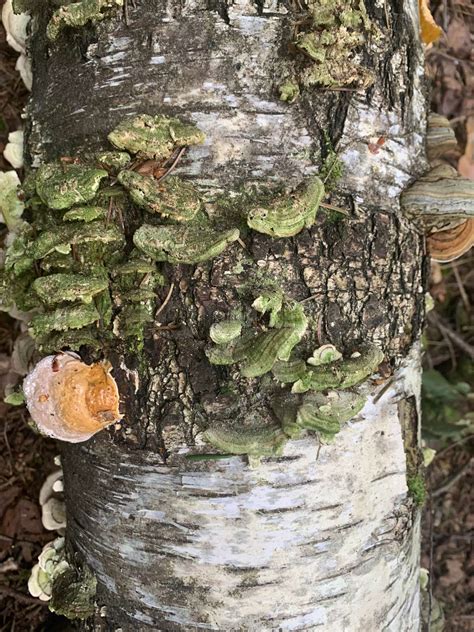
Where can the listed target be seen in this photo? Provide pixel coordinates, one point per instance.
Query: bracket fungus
(154, 137)
(442, 201)
(448, 245)
(53, 507)
(51, 563)
(257, 351)
(286, 216)
(70, 400)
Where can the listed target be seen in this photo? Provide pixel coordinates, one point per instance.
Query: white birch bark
(301, 542)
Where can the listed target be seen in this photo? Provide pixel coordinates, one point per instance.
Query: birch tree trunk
(319, 538)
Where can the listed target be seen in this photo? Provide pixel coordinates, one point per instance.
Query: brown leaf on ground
(454, 572)
(22, 519)
(459, 39)
(429, 30)
(466, 162)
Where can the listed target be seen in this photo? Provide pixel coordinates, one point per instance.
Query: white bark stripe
(297, 544)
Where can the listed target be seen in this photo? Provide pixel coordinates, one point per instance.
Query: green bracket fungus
(320, 413)
(324, 355)
(15, 398)
(77, 14)
(18, 258)
(134, 287)
(60, 287)
(74, 271)
(62, 319)
(253, 441)
(11, 207)
(190, 243)
(257, 352)
(71, 339)
(113, 161)
(287, 215)
(64, 237)
(225, 331)
(270, 300)
(60, 186)
(85, 214)
(174, 198)
(317, 412)
(339, 374)
(138, 266)
(325, 413)
(69, 590)
(154, 136)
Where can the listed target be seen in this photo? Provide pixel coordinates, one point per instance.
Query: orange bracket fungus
(70, 400)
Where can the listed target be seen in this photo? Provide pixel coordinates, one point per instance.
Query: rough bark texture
(301, 542)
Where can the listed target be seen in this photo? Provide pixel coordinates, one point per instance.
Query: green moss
(417, 489)
(333, 167)
(329, 38)
(78, 14)
(73, 593)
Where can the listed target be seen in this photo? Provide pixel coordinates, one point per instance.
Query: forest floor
(26, 459)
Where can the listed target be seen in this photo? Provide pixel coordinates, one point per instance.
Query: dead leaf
(466, 162)
(454, 572)
(22, 519)
(430, 31)
(459, 38)
(450, 103)
(7, 496)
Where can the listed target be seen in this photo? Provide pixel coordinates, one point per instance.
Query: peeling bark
(301, 542)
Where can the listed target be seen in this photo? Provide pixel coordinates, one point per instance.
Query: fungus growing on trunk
(70, 400)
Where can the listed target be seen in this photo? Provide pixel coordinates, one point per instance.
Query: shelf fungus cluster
(257, 351)
(84, 280)
(53, 507)
(442, 201)
(322, 396)
(89, 278)
(68, 588)
(70, 400)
